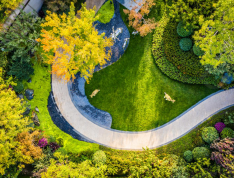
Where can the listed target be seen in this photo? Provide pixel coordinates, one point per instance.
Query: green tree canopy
(216, 39)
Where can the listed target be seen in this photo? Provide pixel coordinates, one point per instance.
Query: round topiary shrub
(19, 87)
(197, 50)
(188, 156)
(200, 152)
(185, 44)
(183, 31)
(99, 157)
(220, 126)
(209, 134)
(227, 132)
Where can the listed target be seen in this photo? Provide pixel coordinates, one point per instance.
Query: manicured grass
(132, 89)
(106, 12)
(42, 87)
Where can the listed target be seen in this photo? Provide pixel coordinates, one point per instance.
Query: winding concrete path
(138, 140)
(165, 134)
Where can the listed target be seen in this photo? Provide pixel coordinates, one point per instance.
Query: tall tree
(216, 38)
(81, 47)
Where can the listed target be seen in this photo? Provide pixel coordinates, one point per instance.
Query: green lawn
(132, 89)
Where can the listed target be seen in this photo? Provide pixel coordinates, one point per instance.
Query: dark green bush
(185, 44)
(20, 39)
(209, 134)
(200, 152)
(227, 132)
(183, 31)
(175, 69)
(19, 87)
(188, 156)
(197, 50)
(21, 71)
(99, 157)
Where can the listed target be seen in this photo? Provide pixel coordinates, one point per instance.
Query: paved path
(137, 140)
(165, 134)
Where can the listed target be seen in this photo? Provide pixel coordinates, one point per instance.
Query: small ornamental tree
(75, 42)
(137, 21)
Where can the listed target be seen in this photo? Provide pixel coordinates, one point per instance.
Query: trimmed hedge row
(166, 66)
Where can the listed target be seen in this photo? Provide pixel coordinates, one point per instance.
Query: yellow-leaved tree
(12, 123)
(73, 45)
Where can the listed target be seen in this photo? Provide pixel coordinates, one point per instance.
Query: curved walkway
(138, 140)
(91, 131)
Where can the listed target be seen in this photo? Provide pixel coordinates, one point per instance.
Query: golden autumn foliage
(73, 45)
(6, 7)
(137, 20)
(11, 124)
(28, 147)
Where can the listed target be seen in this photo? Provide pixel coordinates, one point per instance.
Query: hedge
(167, 67)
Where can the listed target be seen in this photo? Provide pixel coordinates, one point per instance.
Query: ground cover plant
(132, 89)
(106, 12)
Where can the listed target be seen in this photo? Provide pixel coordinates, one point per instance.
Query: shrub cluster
(209, 134)
(175, 70)
(186, 61)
